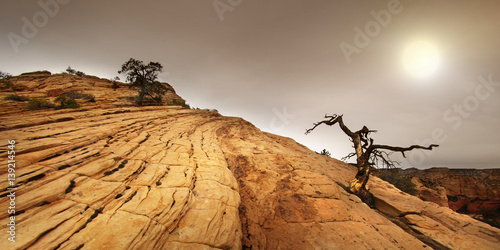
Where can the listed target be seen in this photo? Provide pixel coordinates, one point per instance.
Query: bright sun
(420, 59)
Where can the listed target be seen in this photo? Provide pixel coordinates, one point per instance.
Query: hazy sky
(284, 64)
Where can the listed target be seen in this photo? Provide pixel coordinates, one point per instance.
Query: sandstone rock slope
(111, 176)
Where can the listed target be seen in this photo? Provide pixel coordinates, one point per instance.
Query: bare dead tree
(367, 153)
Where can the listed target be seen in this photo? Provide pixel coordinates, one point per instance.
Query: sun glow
(420, 59)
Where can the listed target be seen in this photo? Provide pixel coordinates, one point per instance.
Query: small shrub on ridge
(67, 103)
(15, 97)
(37, 104)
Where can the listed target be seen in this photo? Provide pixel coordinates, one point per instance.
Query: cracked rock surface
(116, 177)
(145, 180)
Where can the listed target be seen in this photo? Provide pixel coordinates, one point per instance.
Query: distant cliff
(467, 190)
(470, 191)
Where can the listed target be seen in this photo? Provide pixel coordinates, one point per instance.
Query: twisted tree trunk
(367, 153)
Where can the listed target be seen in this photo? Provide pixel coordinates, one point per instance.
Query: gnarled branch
(332, 120)
(402, 150)
(382, 157)
(350, 155)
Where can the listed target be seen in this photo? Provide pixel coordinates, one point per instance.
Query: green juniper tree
(4, 75)
(70, 71)
(325, 152)
(143, 78)
(5, 79)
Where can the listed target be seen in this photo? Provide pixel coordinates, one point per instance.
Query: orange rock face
(471, 191)
(112, 176)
